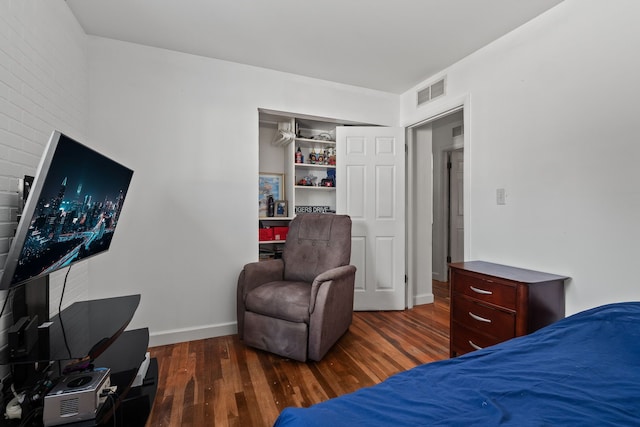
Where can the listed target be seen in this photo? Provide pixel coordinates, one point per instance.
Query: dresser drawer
(465, 340)
(492, 303)
(484, 319)
(485, 289)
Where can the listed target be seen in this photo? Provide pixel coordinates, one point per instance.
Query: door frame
(431, 113)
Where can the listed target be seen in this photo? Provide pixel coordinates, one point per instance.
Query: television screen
(71, 213)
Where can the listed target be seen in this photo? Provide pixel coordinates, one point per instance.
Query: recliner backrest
(316, 243)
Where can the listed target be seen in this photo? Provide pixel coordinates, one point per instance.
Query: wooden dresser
(491, 303)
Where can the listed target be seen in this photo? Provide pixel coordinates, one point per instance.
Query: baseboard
(423, 299)
(438, 276)
(174, 336)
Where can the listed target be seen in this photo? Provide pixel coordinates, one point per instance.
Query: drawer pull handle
(478, 318)
(480, 291)
(477, 347)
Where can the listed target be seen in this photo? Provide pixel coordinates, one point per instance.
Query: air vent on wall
(431, 92)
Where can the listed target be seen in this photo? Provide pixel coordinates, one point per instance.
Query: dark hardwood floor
(221, 382)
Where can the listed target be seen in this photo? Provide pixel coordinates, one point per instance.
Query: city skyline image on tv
(76, 209)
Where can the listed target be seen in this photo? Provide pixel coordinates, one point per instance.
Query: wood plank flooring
(221, 382)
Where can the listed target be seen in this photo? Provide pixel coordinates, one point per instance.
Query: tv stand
(95, 331)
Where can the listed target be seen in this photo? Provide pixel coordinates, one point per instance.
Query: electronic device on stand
(71, 213)
(76, 397)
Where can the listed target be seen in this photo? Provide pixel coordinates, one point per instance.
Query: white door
(456, 207)
(370, 187)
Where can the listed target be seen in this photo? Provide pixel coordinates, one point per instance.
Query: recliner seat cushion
(283, 300)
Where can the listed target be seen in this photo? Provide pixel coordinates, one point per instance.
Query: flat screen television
(71, 212)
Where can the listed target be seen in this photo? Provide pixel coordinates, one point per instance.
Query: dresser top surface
(506, 272)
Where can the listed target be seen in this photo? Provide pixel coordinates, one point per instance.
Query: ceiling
(389, 45)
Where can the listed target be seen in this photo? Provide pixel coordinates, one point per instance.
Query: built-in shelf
(275, 218)
(315, 149)
(313, 165)
(314, 187)
(264, 242)
(315, 141)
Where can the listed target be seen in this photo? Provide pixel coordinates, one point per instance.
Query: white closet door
(370, 187)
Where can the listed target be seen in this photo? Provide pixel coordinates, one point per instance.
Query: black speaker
(23, 336)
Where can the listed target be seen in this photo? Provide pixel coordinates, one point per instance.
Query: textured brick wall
(43, 86)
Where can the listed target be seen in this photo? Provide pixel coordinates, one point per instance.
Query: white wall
(420, 213)
(188, 127)
(552, 119)
(43, 86)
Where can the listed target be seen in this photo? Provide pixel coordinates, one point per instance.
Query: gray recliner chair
(300, 305)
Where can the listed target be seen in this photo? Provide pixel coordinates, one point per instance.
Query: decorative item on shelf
(280, 208)
(299, 156)
(324, 136)
(312, 157)
(331, 156)
(269, 184)
(327, 182)
(307, 181)
(270, 205)
(331, 178)
(320, 159)
(313, 209)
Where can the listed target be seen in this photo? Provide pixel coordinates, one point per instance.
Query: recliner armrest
(338, 274)
(258, 273)
(331, 310)
(253, 275)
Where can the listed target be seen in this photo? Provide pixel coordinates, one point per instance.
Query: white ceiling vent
(431, 92)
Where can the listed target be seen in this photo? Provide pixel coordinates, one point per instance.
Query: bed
(582, 370)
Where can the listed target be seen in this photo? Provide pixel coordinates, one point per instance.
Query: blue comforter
(582, 370)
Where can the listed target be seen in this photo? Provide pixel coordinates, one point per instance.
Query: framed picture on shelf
(280, 208)
(269, 184)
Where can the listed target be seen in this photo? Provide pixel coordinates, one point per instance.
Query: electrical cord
(27, 405)
(111, 391)
(64, 335)
(35, 414)
(6, 300)
(13, 410)
(64, 285)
